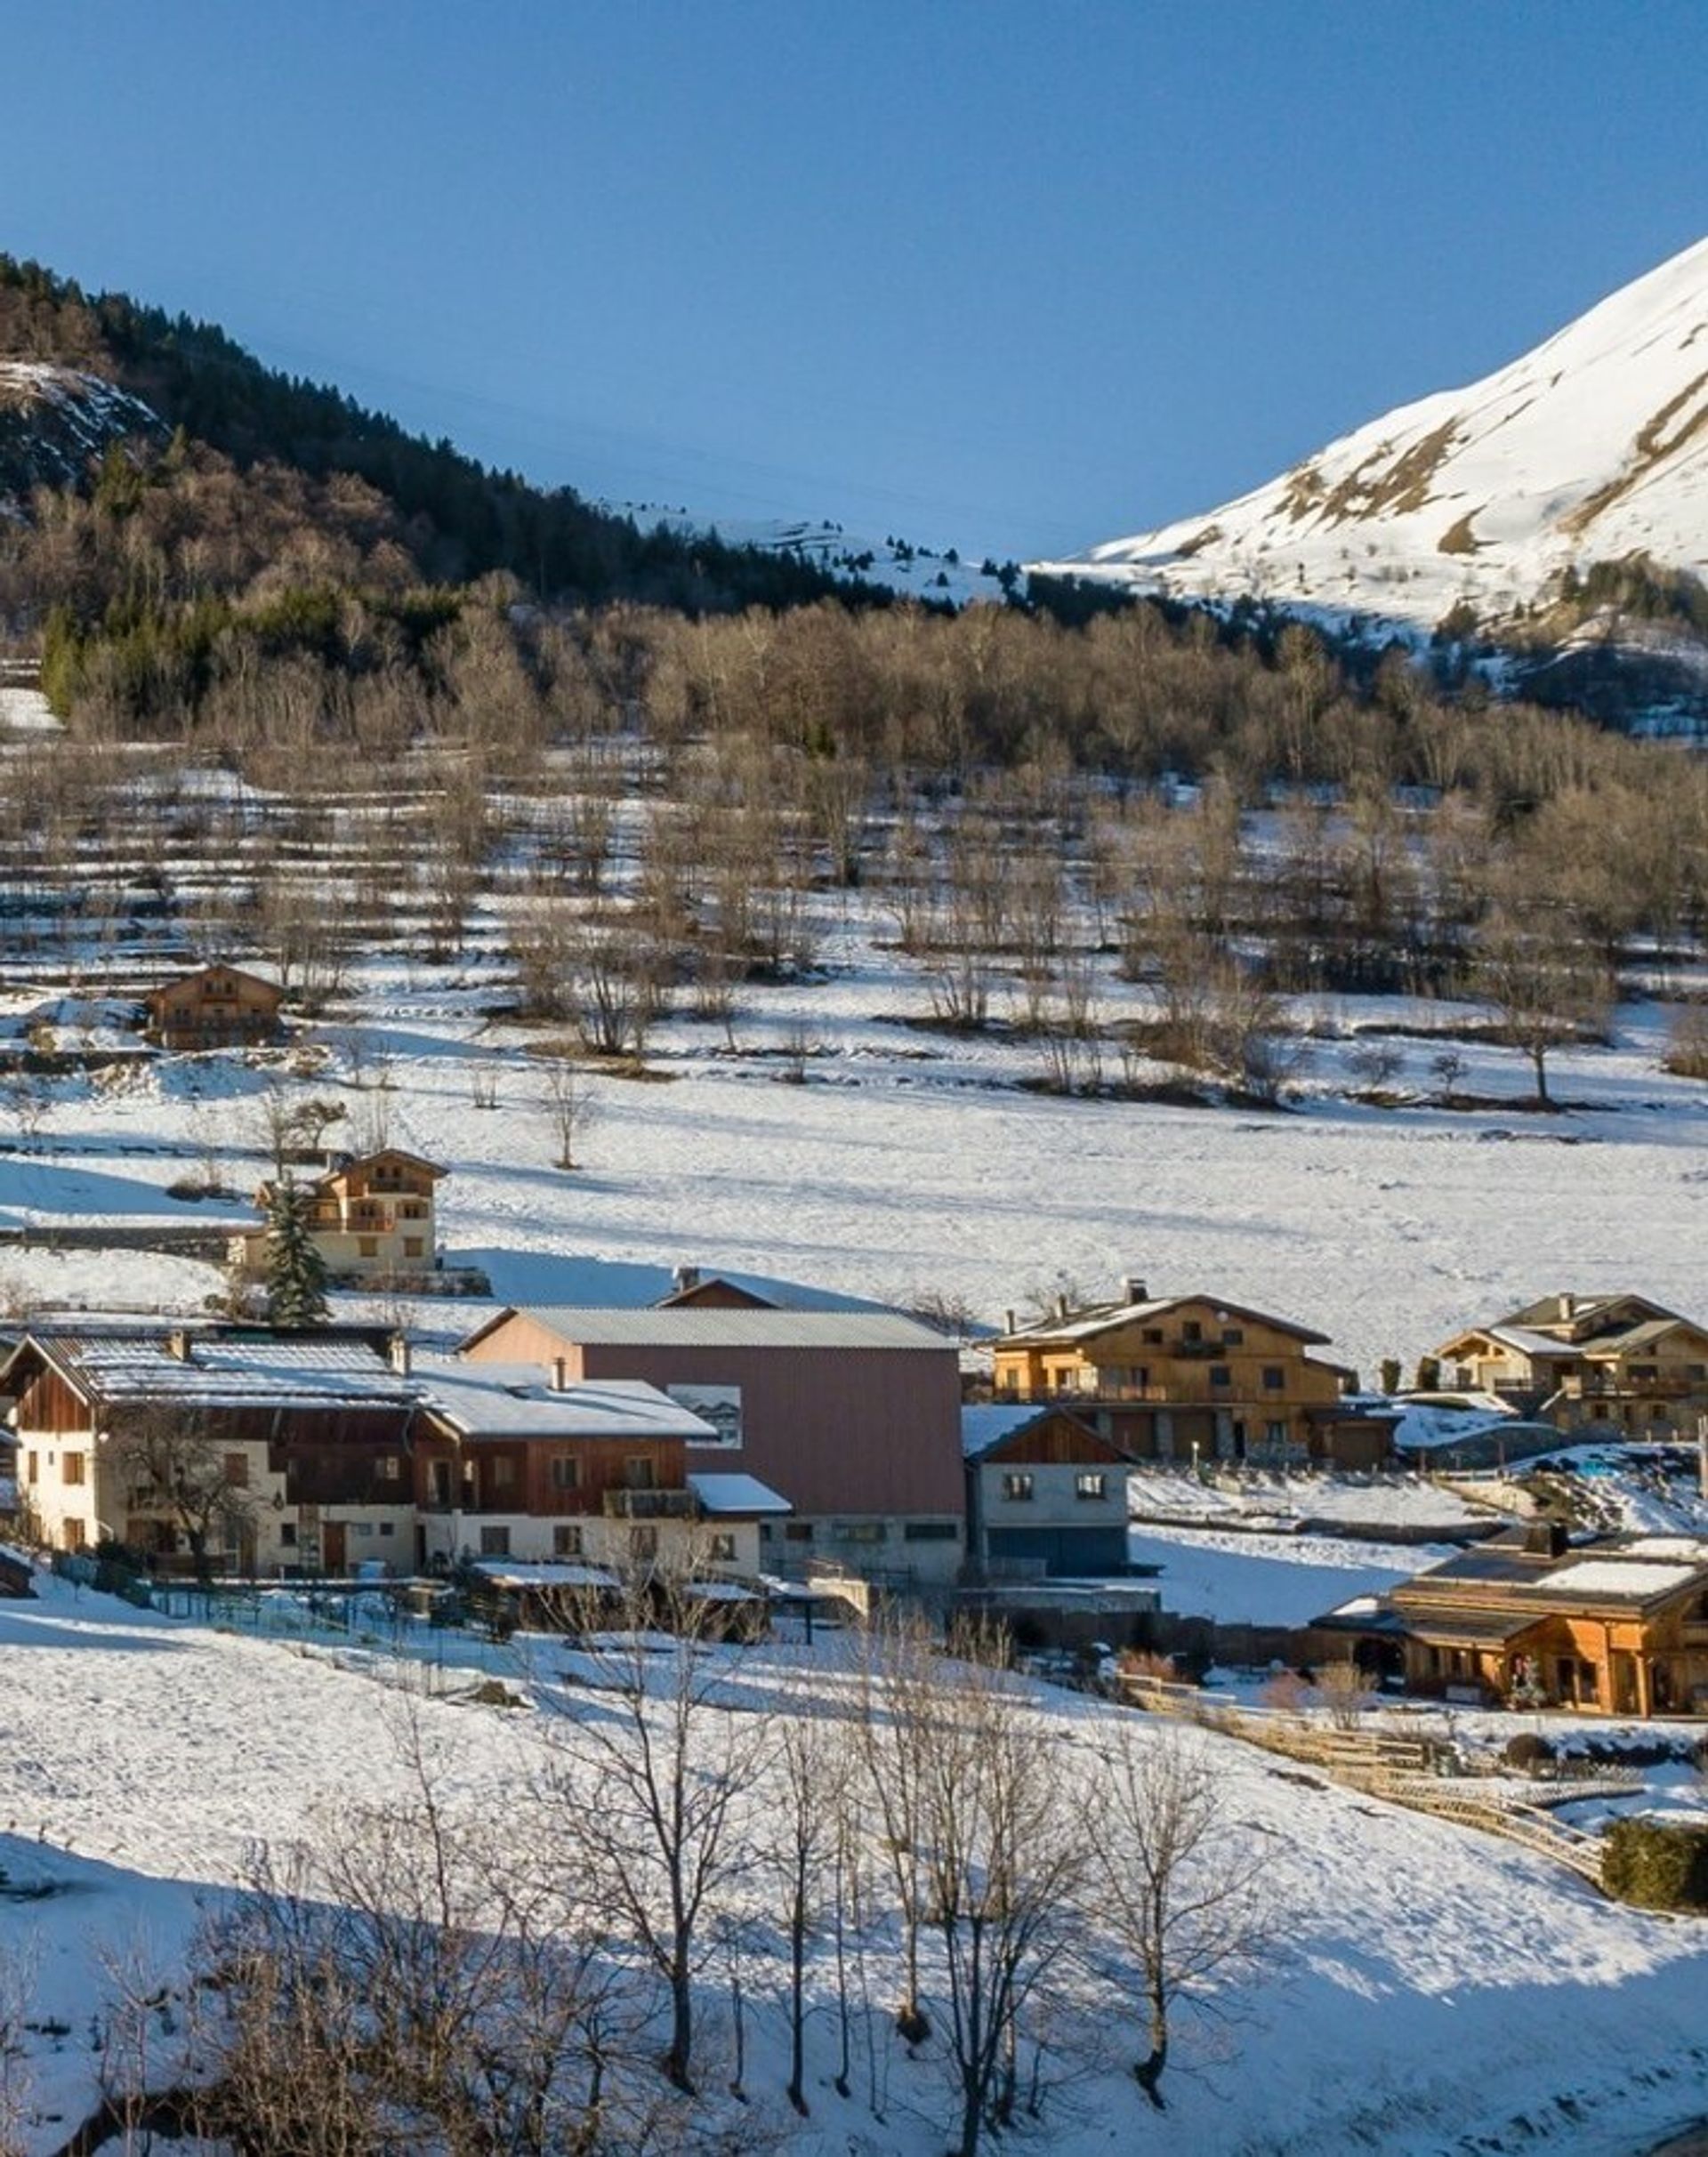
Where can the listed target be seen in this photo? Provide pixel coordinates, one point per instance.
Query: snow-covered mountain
(1592, 449)
(940, 576)
(55, 421)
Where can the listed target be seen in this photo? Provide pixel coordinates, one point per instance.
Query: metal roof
(736, 1496)
(691, 1327)
(505, 1400)
(1104, 1317)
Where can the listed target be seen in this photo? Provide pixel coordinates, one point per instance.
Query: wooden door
(332, 1549)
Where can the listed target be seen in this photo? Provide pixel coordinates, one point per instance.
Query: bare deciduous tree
(173, 1461)
(1181, 1894)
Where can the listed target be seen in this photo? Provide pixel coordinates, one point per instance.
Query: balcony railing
(651, 1505)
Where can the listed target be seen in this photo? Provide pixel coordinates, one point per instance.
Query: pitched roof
(678, 1326)
(735, 1497)
(1096, 1318)
(504, 1400)
(986, 1425)
(256, 1371)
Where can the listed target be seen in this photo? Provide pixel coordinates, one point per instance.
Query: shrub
(1527, 1751)
(1656, 1865)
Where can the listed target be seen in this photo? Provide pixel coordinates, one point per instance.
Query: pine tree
(297, 1274)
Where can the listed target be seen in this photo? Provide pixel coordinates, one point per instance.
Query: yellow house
(1615, 1363)
(1211, 1379)
(371, 1217)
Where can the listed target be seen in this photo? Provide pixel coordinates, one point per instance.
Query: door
(332, 1549)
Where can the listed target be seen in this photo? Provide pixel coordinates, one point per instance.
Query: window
(72, 1531)
(638, 1473)
(643, 1542)
(236, 1470)
(1276, 1433)
(797, 1530)
(388, 1527)
(287, 1534)
(71, 1467)
(388, 1468)
(1091, 1482)
(495, 1541)
(1152, 1336)
(723, 1548)
(1063, 1380)
(363, 1528)
(566, 1472)
(412, 1246)
(30, 1468)
(1274, 1377)
(503, 1471)
(566, 1540)
(1221, 1376)
(862, 1531)
(1233, 1336)
(368, 1246)
(1191, 1331)
(930, 1532)
(1016, 1487)
(1644, 1373)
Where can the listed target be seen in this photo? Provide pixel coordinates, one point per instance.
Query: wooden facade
(1615, 1628)
(1616, 1364)
(1184, 1378)
(371, 1217)
(216, 1006)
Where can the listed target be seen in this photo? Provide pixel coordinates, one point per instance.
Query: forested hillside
(300, 451)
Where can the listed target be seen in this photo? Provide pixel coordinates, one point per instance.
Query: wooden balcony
(651, 1505)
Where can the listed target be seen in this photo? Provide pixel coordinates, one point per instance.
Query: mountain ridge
(1476, 508)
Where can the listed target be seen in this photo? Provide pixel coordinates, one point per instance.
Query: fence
(1420, 1772)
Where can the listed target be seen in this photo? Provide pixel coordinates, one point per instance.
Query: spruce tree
(297, 1274)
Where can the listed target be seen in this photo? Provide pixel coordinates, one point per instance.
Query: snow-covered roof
(519, 1400)
(542, 1573)
(227, 1372)
(1104, 1317)
(1620, 1577)
(1526, 1342)
(691, 1327)
(989, 1422)
(734, 1496)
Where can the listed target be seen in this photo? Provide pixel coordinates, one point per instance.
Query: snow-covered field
(1428, 1986)
(909, 1164)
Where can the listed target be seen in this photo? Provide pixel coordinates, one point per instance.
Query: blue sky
(1019, 277)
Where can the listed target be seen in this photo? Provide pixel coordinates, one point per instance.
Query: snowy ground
(1240, 1578)
(1429, 1986)
(907, 1164)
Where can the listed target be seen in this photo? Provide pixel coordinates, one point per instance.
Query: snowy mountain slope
(1590, 448)
(54, 420)
(938, 575)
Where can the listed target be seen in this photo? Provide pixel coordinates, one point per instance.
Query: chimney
(398, 1348)
(560, 1375)
(178, 1346)
(1134, 1289)
(684, 1277)
(1546, 1539)
(1567, 1307)
(1008, 1321)
(1061, 1308)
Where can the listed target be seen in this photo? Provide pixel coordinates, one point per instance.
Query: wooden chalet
(1184, 1378)
(1608, 1365)
(1615, 1627)
(371, 1217)
(213, 1006)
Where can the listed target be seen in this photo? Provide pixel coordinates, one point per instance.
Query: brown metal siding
(835, 1430)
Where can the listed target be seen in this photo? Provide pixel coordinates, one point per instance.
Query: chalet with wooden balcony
(301, 1442)
(1593, 1366)
(328, 1450)
(1189, 1378)
(372, 1218)
(852, 1416)
(215, 1007)
(517, 1461)
(1615, 1627)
